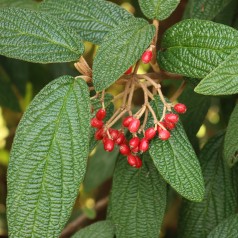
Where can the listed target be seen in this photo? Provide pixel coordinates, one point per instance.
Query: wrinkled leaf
(231, 139)
(228, 228)
(37, 37)
(102, 229)
(16, 3)
(91, 19)
(176, 160)
(137, 194)
(223, 80)
(48, 159)
(158, 9)
(204, 9)
(198, 219)
(195, 48)
(121, 48)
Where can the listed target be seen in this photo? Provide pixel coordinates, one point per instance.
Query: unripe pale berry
(101, 113)
(127, 121)
(134, 142)
(134, 125)
(147, 56)
(144, 145)
(120, 139)
(99, 134)
(171, 117)
(96, 123)
(108, 144)
(129, 71)
(180, 108)
(164, 135)
(150, 133)
(124, 149)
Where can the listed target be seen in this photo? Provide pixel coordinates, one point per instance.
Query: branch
(75, 225)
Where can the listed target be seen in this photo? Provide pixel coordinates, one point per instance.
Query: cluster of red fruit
(131, 148)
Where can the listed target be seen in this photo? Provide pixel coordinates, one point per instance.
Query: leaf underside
(48, 159)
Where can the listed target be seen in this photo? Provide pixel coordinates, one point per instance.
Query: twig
(178, 92)
(75, 225)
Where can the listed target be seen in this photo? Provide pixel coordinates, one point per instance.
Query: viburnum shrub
(74, 117)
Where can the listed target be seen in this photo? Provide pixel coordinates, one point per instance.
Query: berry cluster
(111, 137)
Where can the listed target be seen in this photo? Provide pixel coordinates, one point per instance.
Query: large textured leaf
(226, 229)
(196, 47)
(231, 139)
(48, 159)
(198, 219)
(37, 37)
(197, 106)
(7, 96)
(16, 3)
(177, 162)
(121, 48)
(91, 19)
(204, 9)
(158, 9)
(138, 200)
(102, 229)
(223, 80)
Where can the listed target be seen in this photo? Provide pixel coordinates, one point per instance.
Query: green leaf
(158, 9)
(37, 37)
(226, 229)
(102, 229)
(91, 19)
(223, 80)
(7, 95)
(100, 168)
(16, 3)
(121, 48)
(204, 9)
(138, 200)
(176, 160)
(231, 139)
(198, 219)
(48, 159)
(197, 51)
(197, 108)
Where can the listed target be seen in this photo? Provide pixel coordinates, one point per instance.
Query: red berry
(134, 125)
(164, 135)
(144, 145)
(171, 117)
(134, 161)
(150, 133)
(127, 121)
(120, 139)
(129, 71)
(147, 56)
(108, 144)
(170, 125)
(135, 149)
(180, 108)
(160, 128)
(101, 113)
(113, 133)
(134, 142)
(124, 149)
(99, 134)
(96, 123)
